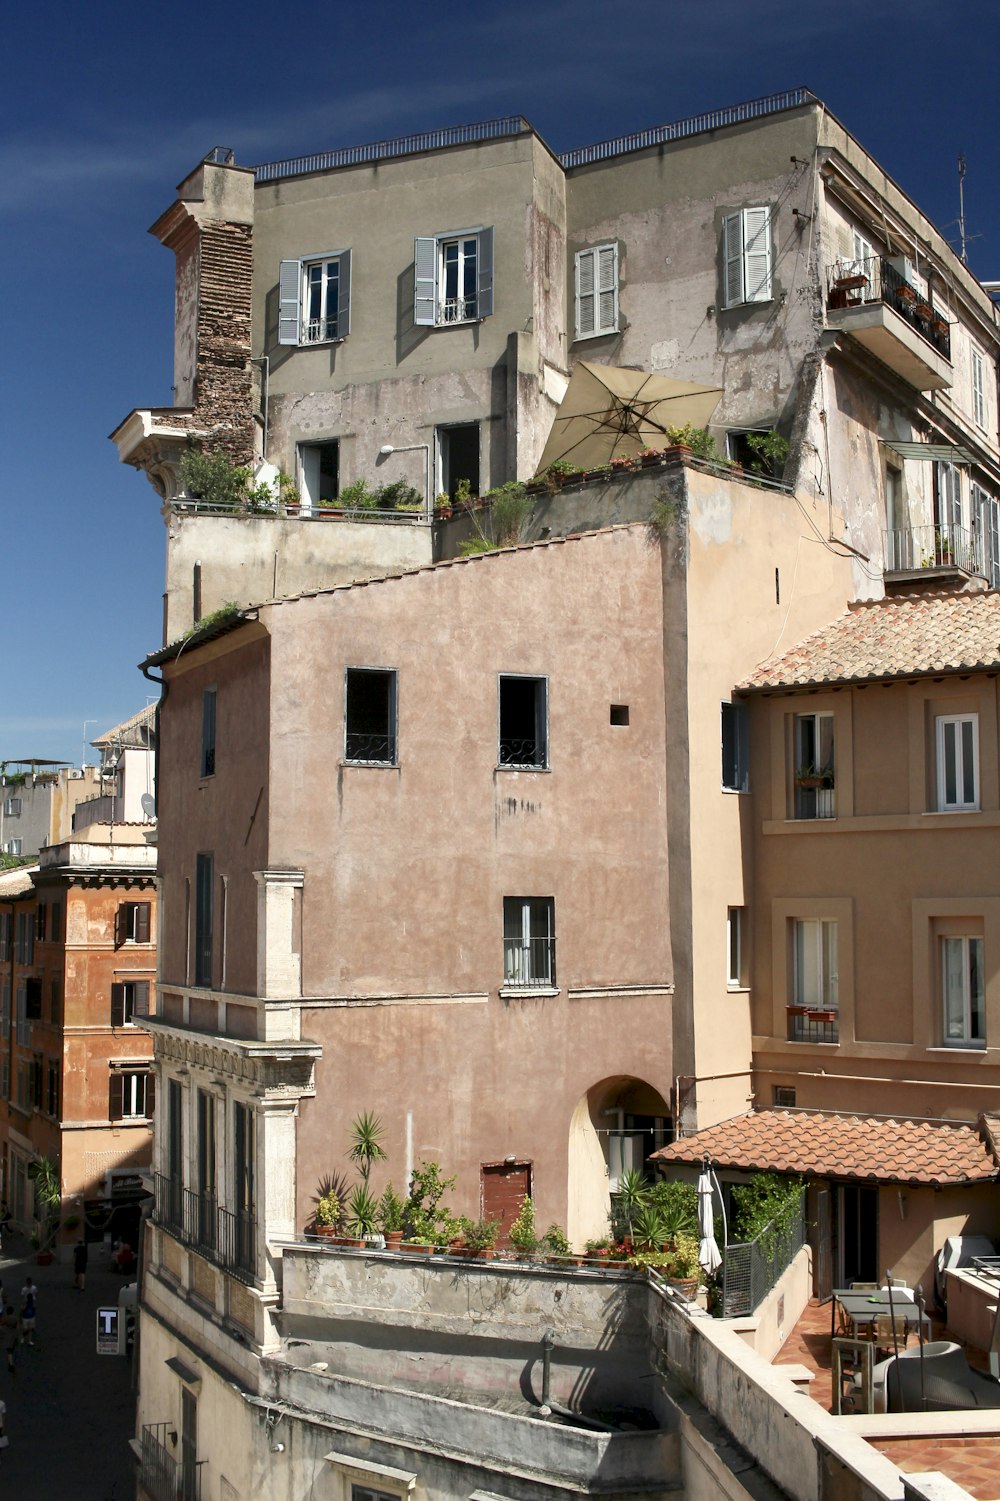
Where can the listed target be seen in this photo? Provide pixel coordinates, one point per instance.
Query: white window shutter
(484, 306)
(289, 294)
(607, 285)
(585, 308)
(425, 280)
(344, 311)
(757, 254)
(732, 259)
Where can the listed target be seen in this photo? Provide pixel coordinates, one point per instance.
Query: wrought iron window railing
(224, 1236)
(457, 310)
(364, 747)
(874, 279)
(521, 751)
(162, 1476)
(813, 1024)
(528, 962)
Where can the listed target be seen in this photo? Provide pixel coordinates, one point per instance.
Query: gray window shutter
(757, 254)
(425, 281)
(484, 306)
(289, 293)
(142, 922)
(140, 1001)
(732, 258)
(585, 293)
(120, 921)
(607, 286)
(115, 1097)
(344, 314)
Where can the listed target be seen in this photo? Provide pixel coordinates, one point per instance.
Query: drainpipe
(548, 1407)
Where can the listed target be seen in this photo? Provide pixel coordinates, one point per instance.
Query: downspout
(164, 687)
(547, 1406)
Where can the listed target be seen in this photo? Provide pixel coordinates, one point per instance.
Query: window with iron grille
(523, 727)
(370, 717)
(529, 941)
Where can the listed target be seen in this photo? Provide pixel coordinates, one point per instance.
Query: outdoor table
(863, 1307)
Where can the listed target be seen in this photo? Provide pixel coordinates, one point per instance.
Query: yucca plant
(366, 1144)
(648, 1228)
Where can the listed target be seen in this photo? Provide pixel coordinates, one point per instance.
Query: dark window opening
(784, 1096)
(129, 1000)
(529, 941)
(459, 452)
(619, 714)
(204, 878)
(735, 748)
(522, 722)
(33, 1000)
(370, 724)
(131, 923)
(208, 733)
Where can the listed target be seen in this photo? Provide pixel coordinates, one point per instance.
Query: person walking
(29, 1309)
(9, 1323)
(80, 1265)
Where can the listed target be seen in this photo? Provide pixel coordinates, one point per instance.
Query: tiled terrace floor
(971, 1462)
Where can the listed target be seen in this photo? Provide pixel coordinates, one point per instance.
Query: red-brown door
(504, 1186)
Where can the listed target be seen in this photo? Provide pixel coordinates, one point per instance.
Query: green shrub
(522, 1231)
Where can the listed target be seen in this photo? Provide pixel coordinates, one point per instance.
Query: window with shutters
(24, 949)
(12, 807)
(12, 847)
(130, 1095)
(986, 520)
(978, 389)
(735, 747)
(596, 291)
(132, 923)
(453, 277)
(41, 918)
(52, 1099)
(746, 256)
(208, 732)
(314, 299)
(6, 937)
(129, 1001)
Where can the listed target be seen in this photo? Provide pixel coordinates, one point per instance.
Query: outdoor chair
(883, 1335)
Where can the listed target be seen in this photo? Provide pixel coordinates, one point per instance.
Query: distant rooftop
(130, 731)
(511, 125)
(880, 640)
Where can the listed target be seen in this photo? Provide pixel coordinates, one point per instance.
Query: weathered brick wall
(223, 381)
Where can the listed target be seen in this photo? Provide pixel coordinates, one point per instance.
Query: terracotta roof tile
(892, 638)
(821, 1144)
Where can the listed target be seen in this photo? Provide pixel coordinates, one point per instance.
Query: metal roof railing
(377, 151)
(731, 114)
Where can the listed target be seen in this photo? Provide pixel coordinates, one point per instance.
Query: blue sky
(106, 106)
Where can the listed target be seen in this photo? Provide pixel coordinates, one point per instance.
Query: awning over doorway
(944, 453)
(825, 1144)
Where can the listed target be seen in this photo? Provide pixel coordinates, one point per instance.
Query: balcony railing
(221, 1235)
(162, 1476)
(812, 1024)
(875, 280)
(932, 547)
(521, 751)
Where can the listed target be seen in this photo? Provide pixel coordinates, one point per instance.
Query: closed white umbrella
(708, 1250)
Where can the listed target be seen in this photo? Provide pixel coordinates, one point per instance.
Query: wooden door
(504, 1185)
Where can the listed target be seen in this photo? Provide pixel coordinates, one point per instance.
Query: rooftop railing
(379, 151)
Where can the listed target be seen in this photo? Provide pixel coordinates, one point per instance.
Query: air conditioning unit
(74, 775)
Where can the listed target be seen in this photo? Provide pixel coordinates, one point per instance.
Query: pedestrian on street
(29, 1300)
(8, 1322)
(80, 1265)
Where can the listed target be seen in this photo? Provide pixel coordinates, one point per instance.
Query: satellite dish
(148, 804)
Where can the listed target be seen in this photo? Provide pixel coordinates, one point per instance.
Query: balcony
(933, 551)
(873, 304)
(809, 1024)
(225, 1237)
(162, 1477)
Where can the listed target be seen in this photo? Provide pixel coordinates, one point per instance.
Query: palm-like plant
(362, 1208)
(631, 1192)
(366, 1144)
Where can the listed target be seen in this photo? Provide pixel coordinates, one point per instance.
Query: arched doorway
(615, 1126)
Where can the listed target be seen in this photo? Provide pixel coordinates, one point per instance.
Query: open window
(735, 747)
(529, 941)
(453, 277)
(319, 472)
(131, 923)
(523, 723)
(314, 299)
(815, 1009)
(129, 1001)
(370, 717)
(813, 771)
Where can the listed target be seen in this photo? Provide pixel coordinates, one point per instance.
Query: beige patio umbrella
(609, 412)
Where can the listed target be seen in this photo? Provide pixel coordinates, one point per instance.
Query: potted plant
(598, 1249)
(329, 1200)
(522, 1232)
(424, 1216)
(480, 1238)
(288, 494)
(810, 776)
(390, 1215)
(681, 1266)
(557, 473)
(442, 506)
(557, 1246)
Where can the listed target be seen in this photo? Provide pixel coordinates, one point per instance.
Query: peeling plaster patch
(711, 520)
(664, 355)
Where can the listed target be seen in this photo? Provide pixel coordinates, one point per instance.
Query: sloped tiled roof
(919, 635)
(129, 732)
(17, 882)
(821, 1144)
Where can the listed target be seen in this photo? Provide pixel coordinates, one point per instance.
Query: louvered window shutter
(120, 929)
(757, 254)
(607, 285)
(118, 1005)
(140, 998)
(484, 306)
(732, 258)
(425, 281)
(115, 1097)
(142, 922)
(344, 309)
(289, 294)
(150, 1094)
(585, 308)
